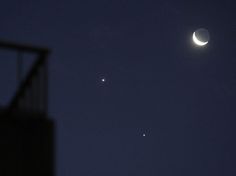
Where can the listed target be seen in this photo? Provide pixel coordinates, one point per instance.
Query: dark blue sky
(157, 82)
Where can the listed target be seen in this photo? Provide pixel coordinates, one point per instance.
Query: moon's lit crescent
(198, 42)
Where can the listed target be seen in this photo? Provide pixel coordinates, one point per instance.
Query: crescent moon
(198, 42)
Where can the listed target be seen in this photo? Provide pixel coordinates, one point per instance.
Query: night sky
(129, 91)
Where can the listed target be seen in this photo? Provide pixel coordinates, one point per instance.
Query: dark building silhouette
(26, 131)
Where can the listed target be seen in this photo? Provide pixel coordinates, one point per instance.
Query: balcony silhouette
(26, 131)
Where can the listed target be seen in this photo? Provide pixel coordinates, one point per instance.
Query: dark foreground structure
(26, 131)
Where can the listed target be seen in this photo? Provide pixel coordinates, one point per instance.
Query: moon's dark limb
(202, 35)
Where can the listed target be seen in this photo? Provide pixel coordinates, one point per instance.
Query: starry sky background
(157, 83)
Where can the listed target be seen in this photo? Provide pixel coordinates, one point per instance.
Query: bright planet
(201, 37)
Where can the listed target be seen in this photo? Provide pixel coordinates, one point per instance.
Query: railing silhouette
(32, 93)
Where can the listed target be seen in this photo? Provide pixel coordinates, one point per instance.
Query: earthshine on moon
(201, 37)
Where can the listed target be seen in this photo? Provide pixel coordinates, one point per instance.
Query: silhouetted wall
(26, 145)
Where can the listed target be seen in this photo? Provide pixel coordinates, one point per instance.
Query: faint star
(144, 134)
(103, 79)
